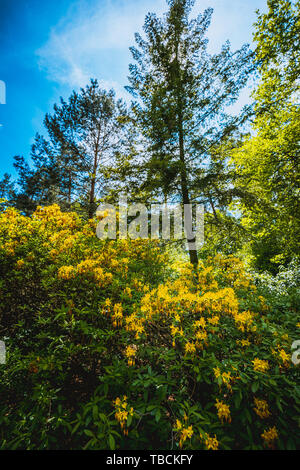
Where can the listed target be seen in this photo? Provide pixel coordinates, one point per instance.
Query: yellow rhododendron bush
(117, 344)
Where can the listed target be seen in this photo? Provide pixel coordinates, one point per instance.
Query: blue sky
(50, 47)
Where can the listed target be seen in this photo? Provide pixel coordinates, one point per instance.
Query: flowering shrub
(110, 344)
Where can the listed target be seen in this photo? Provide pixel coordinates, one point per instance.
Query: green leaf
(157, 415)
(111, 441)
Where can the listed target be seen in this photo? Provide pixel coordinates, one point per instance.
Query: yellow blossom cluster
(135, 324)
(106, 308)
(261, 408)
(175, 298)
(243, 342)
(123, 411)
(244, 321)
(66, 272)
(128, 291)
(130, 353)
(260, 365)
(175, 331)
(20, 263)
(211, 443)
(233, 270)
(137, 284)
(282, 356)
(190, 348)
(117, 316)
(223, 411)
(214, 320)
(269, 436)
(132, 323)
(185, 431)
(87, 267)
(200, 300)
(206, 279)
(226, 377)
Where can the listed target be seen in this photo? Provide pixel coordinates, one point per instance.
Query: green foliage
(109, 346)
(64, 357)
(268, 163)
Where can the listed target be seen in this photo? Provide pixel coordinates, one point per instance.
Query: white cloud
(92, 40)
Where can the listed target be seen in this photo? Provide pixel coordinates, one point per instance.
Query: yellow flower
(20, 263)
(98, 274)
(214, 320)
(127, 291)
(211, 443)
(190, 348)
(174, 330)
(86, 266)
(117, 401)
(226, 378)
(66, 272)
(269, 436)
(244, 320)
(217, 372)
(284, 357)
(121, 416)
(200, 323)
(122, 412)
(261, 408)
(260, 365)
(186, 433)
(130, 353)
(117, 316)
(201, 335)
(223, 411)
(53, 253)
(178, 425)
(106, 307)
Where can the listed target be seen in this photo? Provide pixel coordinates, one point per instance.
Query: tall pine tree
(85, 133)
(182, 94)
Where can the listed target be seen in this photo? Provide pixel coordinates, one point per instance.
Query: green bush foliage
(112, 345)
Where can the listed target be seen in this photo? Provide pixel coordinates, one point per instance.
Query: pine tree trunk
(191, 239)
(188, 219)
(69, 189)
(92, 198)
(93, 179)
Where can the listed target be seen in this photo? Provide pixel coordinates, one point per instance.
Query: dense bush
(282, 290)
(112, 345)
